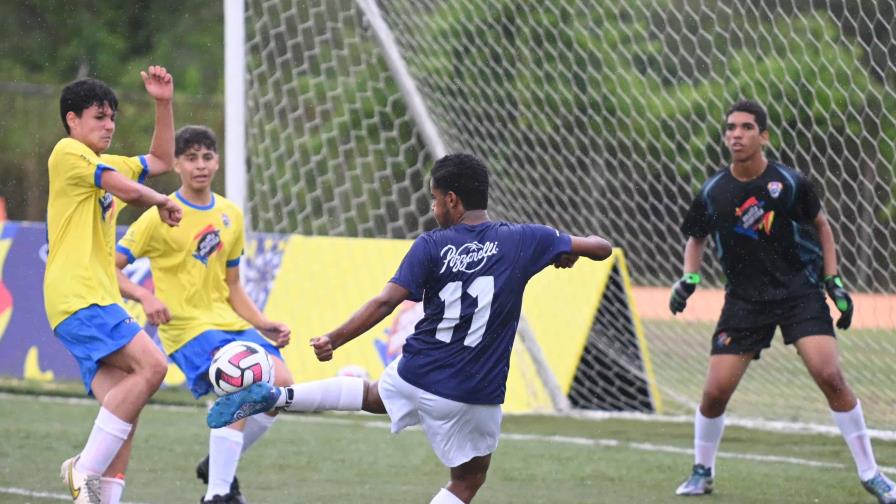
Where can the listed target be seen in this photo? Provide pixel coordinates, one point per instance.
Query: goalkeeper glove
(682, 290)
(834, 285)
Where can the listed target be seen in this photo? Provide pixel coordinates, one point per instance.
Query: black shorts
(748, 326)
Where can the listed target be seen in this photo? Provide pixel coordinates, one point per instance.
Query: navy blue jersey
(471, 280)
(763, 231)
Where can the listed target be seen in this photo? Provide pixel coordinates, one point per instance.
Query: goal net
(595, 117)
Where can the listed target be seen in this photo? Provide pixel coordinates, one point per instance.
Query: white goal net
(595, 117)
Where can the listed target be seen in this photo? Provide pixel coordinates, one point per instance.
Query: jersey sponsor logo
(774, 188)
(468, 258)
(106, 204)
(722, 340)
(208, 242)
(752, 218)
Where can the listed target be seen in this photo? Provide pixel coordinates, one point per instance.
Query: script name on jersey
(468, 258)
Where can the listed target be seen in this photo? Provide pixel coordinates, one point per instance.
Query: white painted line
(42, 495)
(748, 423)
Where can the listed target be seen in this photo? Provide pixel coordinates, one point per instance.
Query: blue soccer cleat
(256, 398)
(699, 483)
(881, 487)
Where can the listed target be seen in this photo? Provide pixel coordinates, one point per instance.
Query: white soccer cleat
(84, 489)
(699, 483)
(881, 487)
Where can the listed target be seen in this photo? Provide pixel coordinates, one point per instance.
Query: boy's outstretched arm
(369, 315)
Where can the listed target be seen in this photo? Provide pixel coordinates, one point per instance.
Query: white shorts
(456, 431)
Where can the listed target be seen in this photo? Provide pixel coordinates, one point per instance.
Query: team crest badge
(774, 188)
(225, 220)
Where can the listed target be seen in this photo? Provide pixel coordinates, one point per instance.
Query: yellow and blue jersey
(81, 228)
(189, 266)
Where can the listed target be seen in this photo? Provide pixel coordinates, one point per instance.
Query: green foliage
(48, 43)
(55, 41)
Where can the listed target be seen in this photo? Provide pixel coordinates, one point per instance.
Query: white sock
(852, 426)
(344, 393)
(111, 490)
(224, 448)
(707, 436)
(256, 426)
(108, 434)
(445, 497)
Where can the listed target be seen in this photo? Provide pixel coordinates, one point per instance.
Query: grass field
(353, 458)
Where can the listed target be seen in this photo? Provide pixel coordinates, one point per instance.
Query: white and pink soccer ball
(239, 364)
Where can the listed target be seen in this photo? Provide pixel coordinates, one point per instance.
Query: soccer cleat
(202, 474)
(699, 483)
(881, 487)
(84, 489)
(222, 499)
(256, 398)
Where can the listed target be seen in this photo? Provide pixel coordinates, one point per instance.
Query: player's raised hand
(834, 285)
(566, 261)
(158, 82)
(278, 332)
(323, 348)
(681, 291)
(156, 311)
(170, 212)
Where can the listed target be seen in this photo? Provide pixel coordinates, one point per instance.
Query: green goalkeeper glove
(834, 285)
(682, 290)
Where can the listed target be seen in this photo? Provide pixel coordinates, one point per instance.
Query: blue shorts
(92, 333)
(195, 357)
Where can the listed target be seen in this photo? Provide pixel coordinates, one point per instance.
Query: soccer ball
(239, 364)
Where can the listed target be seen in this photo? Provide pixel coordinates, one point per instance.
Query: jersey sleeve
(138, 240)
(697, 221)
(807, 205)
(239, 244)
(78, 166)
(414, 269)
(135, 168)
(544, 244)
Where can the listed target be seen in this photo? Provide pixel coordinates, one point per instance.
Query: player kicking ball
(777, 251)
(451, 378)
(200, 304)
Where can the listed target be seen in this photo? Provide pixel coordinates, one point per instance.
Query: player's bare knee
(156, 367)
(372, 402)
(715, 399)
(831, 381)
(467, 484)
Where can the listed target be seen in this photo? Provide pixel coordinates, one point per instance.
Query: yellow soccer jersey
(189, 266)
(81, 228)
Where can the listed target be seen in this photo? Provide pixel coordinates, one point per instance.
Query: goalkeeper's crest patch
(774, 188)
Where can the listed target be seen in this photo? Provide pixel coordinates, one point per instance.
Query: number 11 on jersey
(483, 289)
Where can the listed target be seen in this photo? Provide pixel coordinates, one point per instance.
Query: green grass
(353, 458)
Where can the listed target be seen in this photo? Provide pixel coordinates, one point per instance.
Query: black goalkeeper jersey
(763, 232)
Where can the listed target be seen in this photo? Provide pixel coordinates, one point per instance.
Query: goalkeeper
(777, 251)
